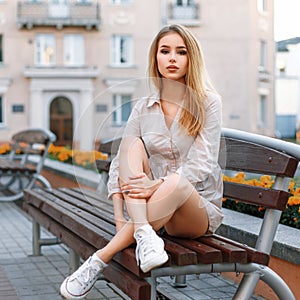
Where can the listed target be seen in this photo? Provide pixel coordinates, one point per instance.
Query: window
(261, 5)
(263, 111)
(73, 50)
(44, 50)
(263, 54)
(121, 109)
(184, 2)
(58, 9)
(1, 110)
(121, 50)
(1, 49)
(121, 1)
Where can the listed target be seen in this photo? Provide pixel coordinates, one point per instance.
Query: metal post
(74, 261)
(180, 281)
(36, 235)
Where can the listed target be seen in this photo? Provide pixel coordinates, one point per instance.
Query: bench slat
(135, 288)
(98, 217)
(87, 197)
(14, 167)
(242, 155)
(47, 204)
(110, 146)
(205, 253)
(103, 165)
(180, 256)
(230, 253)
(269, 198)
(253, 255)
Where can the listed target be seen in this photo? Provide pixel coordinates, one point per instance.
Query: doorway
(61, 120)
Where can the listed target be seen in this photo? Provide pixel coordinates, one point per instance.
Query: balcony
(61, 72)
(71, 14)
(187, 15)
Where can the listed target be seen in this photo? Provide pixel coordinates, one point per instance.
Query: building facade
(77, 66)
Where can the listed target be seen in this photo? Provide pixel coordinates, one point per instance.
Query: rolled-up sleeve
(202, 158)
(132, 129)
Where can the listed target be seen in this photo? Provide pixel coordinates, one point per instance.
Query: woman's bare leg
(175, 205)
(134, 160)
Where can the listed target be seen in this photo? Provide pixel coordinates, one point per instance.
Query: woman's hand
(140, 186)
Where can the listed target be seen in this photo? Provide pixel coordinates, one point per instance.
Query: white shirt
(172, 150)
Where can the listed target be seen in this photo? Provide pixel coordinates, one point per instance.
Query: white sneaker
(78, 285)
(150, 249)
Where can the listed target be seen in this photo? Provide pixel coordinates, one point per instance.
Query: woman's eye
(183, 52)
(164, 51)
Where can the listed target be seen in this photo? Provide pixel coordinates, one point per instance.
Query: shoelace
(145, 243)
(87, 273)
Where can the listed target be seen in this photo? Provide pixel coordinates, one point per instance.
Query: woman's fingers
(138, 176)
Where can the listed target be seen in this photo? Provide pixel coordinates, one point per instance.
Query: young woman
(167, 168)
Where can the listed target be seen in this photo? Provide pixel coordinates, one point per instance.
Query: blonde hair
(193, 113)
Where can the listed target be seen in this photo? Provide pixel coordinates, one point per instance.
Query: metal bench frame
(15, 173)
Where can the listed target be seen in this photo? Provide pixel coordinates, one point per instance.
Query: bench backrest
(246, 152)
(31, 142)
(239, 155)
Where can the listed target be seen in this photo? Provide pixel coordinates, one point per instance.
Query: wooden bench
(84, 221)
(16, 170)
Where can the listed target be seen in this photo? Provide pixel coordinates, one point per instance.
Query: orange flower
(291, 185)
(63, 156)
(5, 148)
(297, 192)
(294, 200)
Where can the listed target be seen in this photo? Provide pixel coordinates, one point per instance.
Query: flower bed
(85, 159)
(290, 217)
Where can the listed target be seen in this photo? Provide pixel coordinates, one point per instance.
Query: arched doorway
(61, 120)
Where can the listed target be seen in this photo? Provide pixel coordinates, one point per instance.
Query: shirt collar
(153, 99)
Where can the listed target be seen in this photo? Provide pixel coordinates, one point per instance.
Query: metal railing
(43, 13)
(188, 12)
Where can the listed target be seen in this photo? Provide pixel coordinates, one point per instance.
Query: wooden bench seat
(83, 220)
(67, 213)
(11, 167)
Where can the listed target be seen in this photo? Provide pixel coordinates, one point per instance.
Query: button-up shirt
(173, 150)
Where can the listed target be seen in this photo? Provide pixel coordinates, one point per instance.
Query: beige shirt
(172, 150)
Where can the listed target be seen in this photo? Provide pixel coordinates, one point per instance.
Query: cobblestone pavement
(39, 278)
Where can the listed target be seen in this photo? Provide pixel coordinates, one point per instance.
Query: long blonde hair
(193, 113)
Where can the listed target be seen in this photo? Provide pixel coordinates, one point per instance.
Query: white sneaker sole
(155, 262)
(64, 292)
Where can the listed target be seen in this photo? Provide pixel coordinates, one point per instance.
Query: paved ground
(25, 277)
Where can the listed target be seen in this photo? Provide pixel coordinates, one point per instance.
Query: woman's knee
(133, 155)
(131, 143)
(178, 184)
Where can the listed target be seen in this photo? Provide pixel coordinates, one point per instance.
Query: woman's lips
(172, 67)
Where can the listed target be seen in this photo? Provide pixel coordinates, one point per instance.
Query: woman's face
(172, 58)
